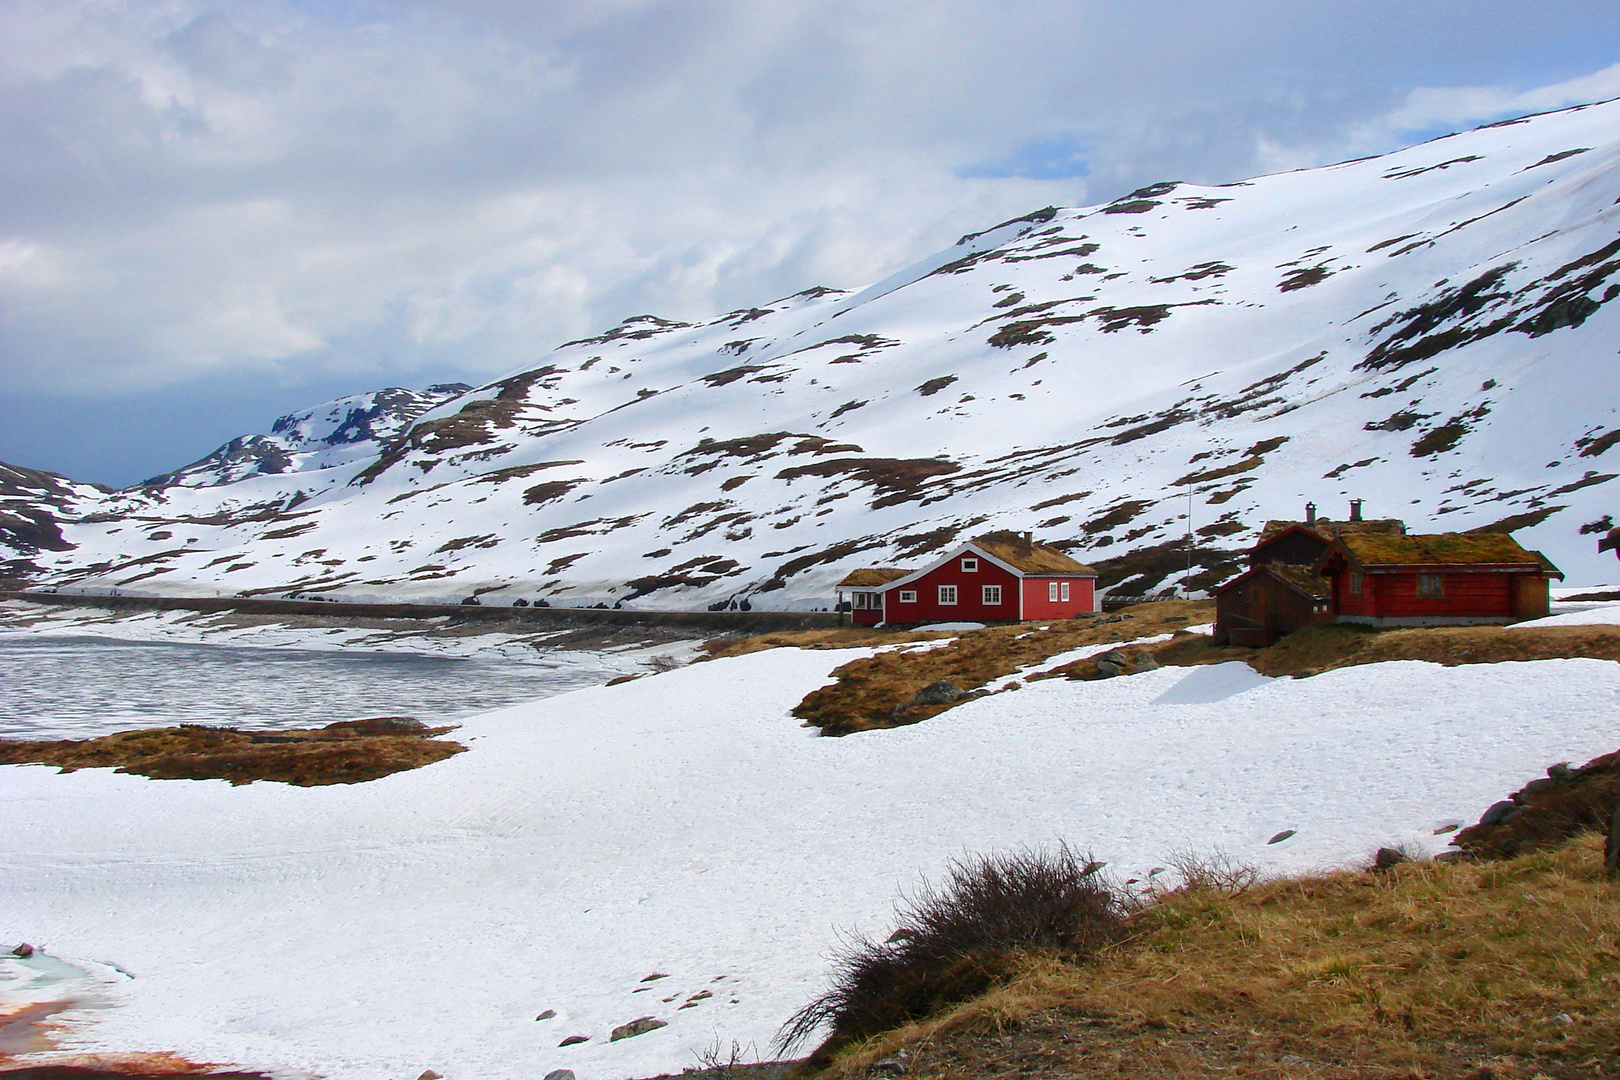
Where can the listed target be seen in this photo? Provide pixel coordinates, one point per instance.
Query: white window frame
(1063, 592)
(908, 596)
(990, 595)
(1431, 586)
(970, 565)
(947, 596)
(1051, 592)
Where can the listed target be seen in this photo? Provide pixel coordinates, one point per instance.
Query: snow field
(686, 824)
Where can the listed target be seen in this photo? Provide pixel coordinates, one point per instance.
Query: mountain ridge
(1430, 330)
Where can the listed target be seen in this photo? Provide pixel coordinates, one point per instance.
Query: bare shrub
(717, 1061)
(1213, 871)
(962, 938)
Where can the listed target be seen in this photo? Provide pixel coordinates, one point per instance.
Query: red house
(998, 577)
(1442, 579)
(1281, 591)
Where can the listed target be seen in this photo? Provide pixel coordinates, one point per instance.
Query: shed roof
(1028, 557)
(1302, 579)
(1427, 549)
(871, 577)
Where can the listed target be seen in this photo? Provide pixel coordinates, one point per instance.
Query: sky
(214, 212)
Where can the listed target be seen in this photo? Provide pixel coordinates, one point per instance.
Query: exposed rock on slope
(1432, 330)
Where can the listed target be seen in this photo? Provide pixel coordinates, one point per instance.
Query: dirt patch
(347, 752)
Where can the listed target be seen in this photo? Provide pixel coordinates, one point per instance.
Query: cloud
(224, 191)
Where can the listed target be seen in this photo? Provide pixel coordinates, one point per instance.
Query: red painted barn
(998, 577)
(1441, 579)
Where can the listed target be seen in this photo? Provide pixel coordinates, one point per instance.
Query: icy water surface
(77, 687)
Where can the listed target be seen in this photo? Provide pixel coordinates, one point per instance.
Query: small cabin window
(1431, 586)
(1051, 592)
(947, 594)
(1063, 592)
(991, 594)
(908, 596)
(1355, 583)
(863, 601)
(970, 566)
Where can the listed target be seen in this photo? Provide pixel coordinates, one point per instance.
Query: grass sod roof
(1030, 558)
(1439, 549)
(1327, 529)
(871, 577)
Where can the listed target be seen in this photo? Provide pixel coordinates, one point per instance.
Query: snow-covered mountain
(1429, 330)
(352, 428)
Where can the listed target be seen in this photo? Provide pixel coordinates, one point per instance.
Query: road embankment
(745, 622)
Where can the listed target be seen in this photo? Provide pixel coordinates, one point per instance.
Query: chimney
(1355, 509)
(1029, 542)
(1310, 513)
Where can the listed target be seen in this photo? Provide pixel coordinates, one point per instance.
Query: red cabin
(1442, 579)
(998, 577)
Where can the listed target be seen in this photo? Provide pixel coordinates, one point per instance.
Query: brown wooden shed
(1267, 601)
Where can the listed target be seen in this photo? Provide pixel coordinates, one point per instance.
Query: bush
(957, 941)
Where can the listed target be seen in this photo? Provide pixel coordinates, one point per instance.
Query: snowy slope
(685, 824)
(1429, 330)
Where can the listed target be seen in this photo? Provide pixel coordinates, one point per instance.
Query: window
(970, 566)
(991, 594)
(908, 596)
(947, 594)
(1431, 585)
(1063, 591)
(863, 601)
(1355, 583)
(1051, 592)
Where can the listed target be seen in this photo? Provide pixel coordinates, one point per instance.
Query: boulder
(1145, 662)
(639, 1026)
(1387, 857)
(380, 725)
(575, 1040)
(1108, 668)
(943, 692)
(547, 1015)
(1498, 813)
(560, 1074)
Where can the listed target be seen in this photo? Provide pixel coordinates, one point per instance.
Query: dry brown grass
(846, 637)
(1316, 649)
(877, 691)
(349, 752)
(1501, 969)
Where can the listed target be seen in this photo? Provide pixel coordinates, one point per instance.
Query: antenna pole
(1186, 582)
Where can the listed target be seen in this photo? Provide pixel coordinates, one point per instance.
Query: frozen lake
(75, 687)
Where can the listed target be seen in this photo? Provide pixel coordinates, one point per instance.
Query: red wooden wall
(969, 606)
(1082, 598)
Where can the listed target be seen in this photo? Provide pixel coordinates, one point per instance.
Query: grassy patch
(879, 691)
(347, 752)
(1482, 970)
(1315, 649)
